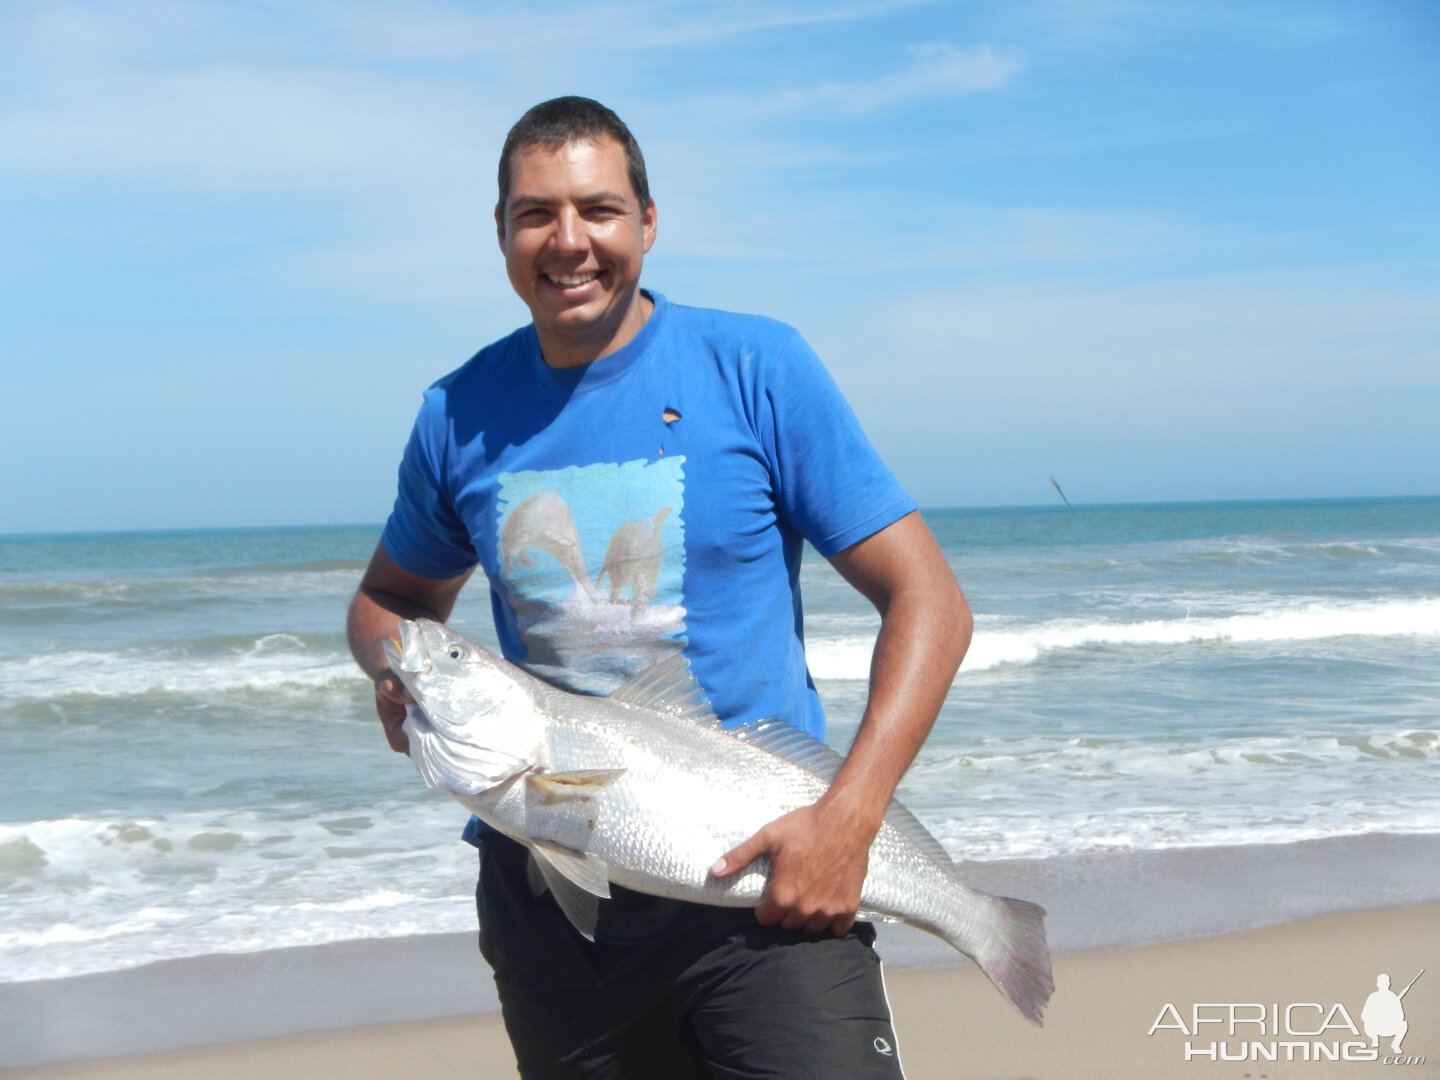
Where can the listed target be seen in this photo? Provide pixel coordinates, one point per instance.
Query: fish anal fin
(586, 871)
(582, 784)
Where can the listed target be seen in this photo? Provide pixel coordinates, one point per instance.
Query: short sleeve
(830, 484)
(424, 534)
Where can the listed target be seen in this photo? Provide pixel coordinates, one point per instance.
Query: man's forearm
(925, 631)
(923, 638)
(387, 594)
(818, 854)
(374, 616)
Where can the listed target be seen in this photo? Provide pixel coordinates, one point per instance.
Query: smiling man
(574, 234)
(685, 454)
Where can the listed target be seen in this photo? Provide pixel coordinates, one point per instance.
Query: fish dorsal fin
(789, 742)
(668, 686)
(907, 823)
(580, 785)
(792, 744)
(576, 880)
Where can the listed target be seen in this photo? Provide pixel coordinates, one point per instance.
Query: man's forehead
(541, 161)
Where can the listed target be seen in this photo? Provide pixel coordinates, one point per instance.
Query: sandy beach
(1318, 971)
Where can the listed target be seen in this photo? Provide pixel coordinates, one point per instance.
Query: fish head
(469, 695)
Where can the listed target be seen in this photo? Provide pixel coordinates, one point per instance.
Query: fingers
(736, 859)
(395, 733)
(810, 914)
(809, 890)
(390, 701)
(393, 690)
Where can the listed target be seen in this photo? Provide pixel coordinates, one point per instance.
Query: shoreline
(1114, 901)
(1109, 1018)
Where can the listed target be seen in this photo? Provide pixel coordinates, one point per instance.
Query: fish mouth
(408, 656)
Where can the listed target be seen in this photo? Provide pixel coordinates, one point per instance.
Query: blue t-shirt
(653, 500)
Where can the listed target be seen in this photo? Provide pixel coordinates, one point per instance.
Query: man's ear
(500, 228)
(647, 227)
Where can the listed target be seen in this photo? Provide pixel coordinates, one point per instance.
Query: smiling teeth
(571, 279)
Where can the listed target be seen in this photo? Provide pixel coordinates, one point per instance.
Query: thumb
(391, 689)
(737, 858)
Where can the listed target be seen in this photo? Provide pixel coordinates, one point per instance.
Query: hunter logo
(1384, 1015)
(1295, 1031)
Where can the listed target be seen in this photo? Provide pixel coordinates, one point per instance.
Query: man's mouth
(568, 281)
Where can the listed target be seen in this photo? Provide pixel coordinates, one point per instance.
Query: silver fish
(642, 788)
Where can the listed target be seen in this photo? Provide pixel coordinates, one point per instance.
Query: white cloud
(1296, 332)
(437, 32)
(936, 70)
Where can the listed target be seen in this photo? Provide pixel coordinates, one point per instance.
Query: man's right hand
(391, 698)
(387, 594)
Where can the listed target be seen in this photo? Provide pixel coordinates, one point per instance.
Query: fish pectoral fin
(577, 881)
(878, 916)
(534, 878)
(564, 786)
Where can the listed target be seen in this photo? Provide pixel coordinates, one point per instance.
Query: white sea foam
(1038, 797)
(991, 837)
(280, 661)
(88, 894)
(271, 662)
(848, 657)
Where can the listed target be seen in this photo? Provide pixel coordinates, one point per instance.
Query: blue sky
(1164, 251)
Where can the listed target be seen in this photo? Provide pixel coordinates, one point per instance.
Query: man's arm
(819, 854)
(387, 594)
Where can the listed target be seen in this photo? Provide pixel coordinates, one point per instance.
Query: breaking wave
(848, 657)
(269, 662)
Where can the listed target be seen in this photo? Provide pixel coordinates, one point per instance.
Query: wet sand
(951, 1023)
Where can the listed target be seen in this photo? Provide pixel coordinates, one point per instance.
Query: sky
(1160, 251)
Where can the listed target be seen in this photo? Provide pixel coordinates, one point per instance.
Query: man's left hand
(818, 857)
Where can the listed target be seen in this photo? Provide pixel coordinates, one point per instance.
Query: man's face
(574, 237)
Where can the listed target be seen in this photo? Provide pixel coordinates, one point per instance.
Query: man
(696, 449)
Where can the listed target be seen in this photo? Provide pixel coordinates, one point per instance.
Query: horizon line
(1045, 507)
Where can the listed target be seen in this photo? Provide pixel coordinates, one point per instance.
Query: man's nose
(569, 233)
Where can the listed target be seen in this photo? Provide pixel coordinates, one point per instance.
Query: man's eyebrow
(595, 198)
(598, 197)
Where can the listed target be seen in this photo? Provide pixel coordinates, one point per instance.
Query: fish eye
(455, 652)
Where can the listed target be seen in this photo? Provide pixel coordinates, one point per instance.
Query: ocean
(190, 764)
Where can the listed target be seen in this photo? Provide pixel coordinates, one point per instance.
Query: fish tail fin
(1016, 958)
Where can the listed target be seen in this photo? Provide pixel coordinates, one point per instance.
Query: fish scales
(643, 789)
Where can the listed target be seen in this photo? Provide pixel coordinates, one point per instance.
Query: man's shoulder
(751, 350)
(503, 355)
(715, 324)
(483, 373)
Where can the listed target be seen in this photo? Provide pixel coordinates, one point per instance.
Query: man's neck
(561, 350)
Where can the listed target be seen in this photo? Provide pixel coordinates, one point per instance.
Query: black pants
(712, 994)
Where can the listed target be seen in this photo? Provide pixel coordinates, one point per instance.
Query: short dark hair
(563, 120)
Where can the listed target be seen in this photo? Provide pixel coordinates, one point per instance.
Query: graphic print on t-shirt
(592, 561)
